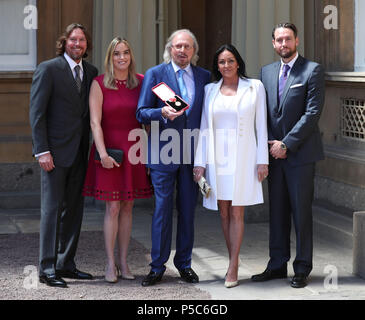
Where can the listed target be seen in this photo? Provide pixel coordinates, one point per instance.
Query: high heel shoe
(231, 284)
(111, 278)
(125, 276)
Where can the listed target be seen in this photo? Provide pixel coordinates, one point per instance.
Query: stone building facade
(329, 32)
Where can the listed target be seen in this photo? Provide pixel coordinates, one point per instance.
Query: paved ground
(331, 278)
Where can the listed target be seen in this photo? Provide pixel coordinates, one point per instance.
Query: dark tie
(182, 87)
(282, 80)
(78, 78)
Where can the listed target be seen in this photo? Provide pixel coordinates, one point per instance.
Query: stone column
(359, 244)
(134, 20)
(145, 24)
(252, 24)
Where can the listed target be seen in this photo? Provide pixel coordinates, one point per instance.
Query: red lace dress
(129, 181)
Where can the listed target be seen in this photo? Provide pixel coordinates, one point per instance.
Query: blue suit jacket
(149, 112)
(295, 120)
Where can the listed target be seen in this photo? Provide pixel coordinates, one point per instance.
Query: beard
(76, 56)
(286, 54)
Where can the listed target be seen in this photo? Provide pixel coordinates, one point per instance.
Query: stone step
(333, 226)
(19, 200)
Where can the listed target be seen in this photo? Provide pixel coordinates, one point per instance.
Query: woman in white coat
(232, 151)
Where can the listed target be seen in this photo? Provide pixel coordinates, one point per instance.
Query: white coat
(252, 142)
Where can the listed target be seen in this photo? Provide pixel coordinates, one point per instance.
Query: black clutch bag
(116, 154)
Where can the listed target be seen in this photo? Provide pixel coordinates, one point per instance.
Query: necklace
(121, 81)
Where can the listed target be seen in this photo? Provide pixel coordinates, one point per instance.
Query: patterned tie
(78, 78)
(181, 83)
(282, 80)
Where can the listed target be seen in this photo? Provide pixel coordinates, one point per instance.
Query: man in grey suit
(59, 118)
(295, 98)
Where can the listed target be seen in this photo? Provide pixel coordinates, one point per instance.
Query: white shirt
(290, 64)
(72, 65)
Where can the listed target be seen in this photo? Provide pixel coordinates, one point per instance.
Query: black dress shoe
(269, 275)
(74, 274)
(299, 280)
(152, 278)
(53, 281)
(189, 275)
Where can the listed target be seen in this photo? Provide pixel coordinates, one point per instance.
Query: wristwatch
(283, 146)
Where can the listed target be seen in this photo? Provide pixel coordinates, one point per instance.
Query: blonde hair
(168, 46)
(109, 79)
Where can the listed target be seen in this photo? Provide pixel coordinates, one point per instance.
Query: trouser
(186, 197)
(61, 216)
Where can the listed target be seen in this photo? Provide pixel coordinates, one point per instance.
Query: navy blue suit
(171, 162)
(291, 181)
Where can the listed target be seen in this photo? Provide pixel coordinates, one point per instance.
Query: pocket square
(296, 85)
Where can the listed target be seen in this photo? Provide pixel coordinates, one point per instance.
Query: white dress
(225, 136)
(246, 150)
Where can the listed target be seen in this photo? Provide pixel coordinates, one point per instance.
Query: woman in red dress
(113, 103)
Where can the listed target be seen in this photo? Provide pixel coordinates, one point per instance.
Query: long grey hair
(168, 46)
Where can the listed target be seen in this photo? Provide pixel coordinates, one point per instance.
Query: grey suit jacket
(295, 120)
(58, 116)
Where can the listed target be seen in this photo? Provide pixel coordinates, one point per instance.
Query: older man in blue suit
(170, 156)
(295, 98)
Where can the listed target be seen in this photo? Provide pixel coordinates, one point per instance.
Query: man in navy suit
(170, 156)
(295, 98)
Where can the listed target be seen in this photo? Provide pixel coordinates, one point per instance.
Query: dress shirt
(290, 64)
(188, 77)
(73, 64)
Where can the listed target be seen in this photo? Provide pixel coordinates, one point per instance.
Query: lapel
(171, 79)
(198, 84)
(293, 74)
(274, 80)
(68, 78)
(212, 94)
(243, 86)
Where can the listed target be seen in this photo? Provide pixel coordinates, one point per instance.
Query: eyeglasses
(181, 46)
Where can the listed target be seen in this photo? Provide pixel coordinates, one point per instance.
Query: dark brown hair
(287, 25)
(232, 49)
(61, 42)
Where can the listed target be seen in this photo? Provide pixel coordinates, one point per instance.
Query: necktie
(282, 79)
(182, 87)
(78, 78)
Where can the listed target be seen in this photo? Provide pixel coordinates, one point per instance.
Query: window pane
(13, 36)
(359, 35)
(18, 50)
